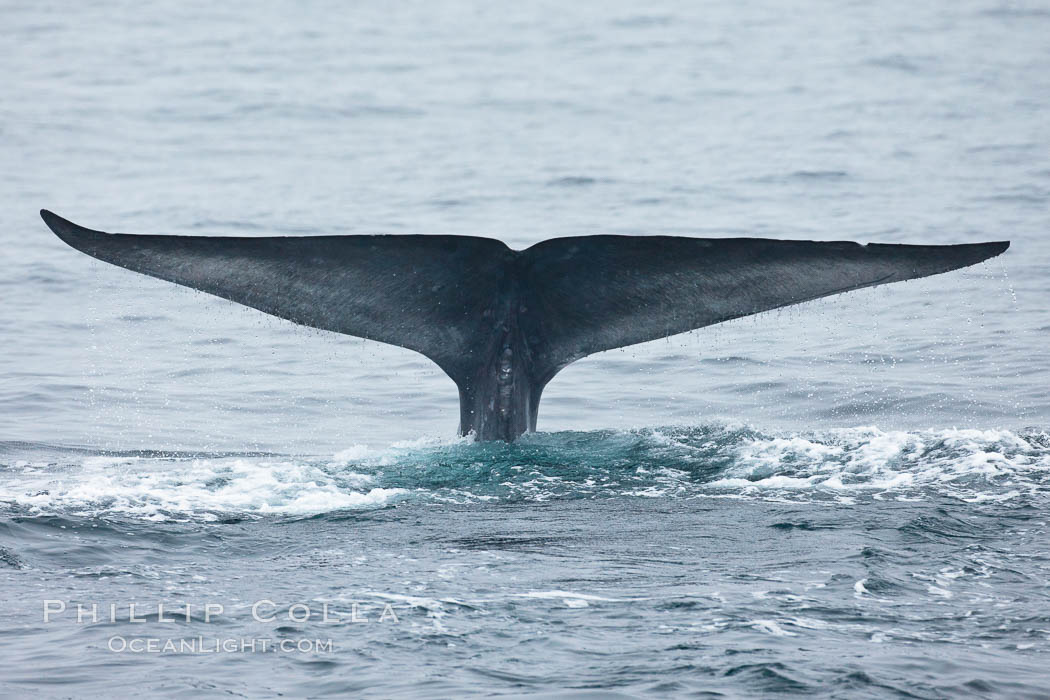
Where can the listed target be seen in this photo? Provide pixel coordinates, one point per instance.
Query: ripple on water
(715, 461)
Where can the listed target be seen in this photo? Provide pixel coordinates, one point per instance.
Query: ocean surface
(847, 498)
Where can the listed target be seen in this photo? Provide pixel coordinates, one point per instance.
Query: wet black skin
(500, 322)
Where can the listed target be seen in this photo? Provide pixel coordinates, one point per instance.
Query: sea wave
(714, 461)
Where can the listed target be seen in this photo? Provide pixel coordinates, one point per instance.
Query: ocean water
(847, 498)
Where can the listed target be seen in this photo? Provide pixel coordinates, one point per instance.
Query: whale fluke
(602, 292)
(426, 293)
(500, 322)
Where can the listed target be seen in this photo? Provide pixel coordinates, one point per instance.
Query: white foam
(569, 595)
(160, 488)
(432, 605)
(771, 627)
(808, 623)
(831, 467)
(431, 441)
(961, 463)
(353, 454)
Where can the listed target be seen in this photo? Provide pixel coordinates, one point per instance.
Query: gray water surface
(846, 498)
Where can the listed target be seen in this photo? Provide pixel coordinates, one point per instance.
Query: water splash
(714, 461)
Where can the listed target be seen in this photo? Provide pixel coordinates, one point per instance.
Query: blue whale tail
(501, 322)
